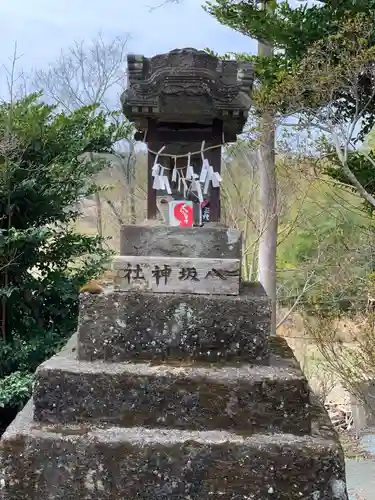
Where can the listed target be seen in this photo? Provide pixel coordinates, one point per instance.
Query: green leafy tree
(325, 91)
(321, 43)
(43, 261)
(291, 30)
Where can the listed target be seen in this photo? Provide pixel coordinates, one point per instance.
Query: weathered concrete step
(120, 326)
(201, 397)
(112, 463)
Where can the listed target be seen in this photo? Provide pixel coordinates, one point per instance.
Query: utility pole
(267, 196)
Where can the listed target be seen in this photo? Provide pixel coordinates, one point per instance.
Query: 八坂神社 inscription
(177, 275)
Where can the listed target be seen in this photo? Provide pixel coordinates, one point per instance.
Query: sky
(42, 28)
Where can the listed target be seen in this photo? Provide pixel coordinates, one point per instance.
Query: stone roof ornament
(188, 86)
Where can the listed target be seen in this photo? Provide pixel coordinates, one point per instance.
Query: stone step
(111, 463)
(120, 326)
(243, 397)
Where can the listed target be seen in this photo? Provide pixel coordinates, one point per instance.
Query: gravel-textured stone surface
(241, 397)
(120, 326)
(112, 463)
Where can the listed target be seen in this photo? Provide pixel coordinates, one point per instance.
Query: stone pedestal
(166, 396)
(210, 242)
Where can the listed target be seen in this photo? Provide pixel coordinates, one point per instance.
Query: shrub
(43, 261)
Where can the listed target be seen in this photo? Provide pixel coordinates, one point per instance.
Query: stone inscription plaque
(177, 275)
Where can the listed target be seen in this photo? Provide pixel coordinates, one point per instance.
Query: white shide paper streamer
(198, 184)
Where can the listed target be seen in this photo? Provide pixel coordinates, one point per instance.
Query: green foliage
(335, 71)
(330, 244)
(362, 167)
(291, 30)
(323, 55)
(15, 389)
(43, 261)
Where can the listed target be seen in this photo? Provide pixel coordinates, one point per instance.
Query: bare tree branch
(305, 288)
(162, 4)
(93, 73)
(86, 74)
(15, 80)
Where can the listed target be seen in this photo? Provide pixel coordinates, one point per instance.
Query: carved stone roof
(187, 86)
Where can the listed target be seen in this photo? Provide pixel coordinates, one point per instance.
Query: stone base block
(243, 398)
(190, 242)
(120, 326)
(177, 275)
(112, 463)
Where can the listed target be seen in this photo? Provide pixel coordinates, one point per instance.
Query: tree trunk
(268, 201)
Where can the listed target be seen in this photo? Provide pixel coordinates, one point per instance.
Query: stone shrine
(172, 388)
(180, 99)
